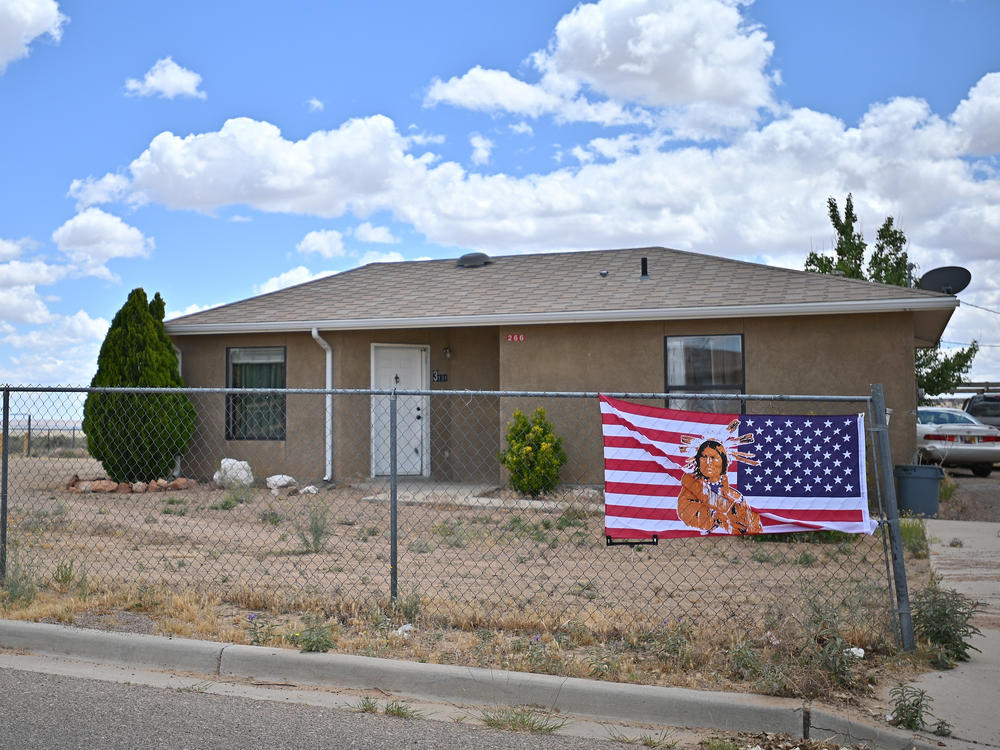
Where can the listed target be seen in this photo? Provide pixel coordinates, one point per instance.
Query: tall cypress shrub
(136, 436)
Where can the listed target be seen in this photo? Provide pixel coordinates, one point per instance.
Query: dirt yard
(473, 555)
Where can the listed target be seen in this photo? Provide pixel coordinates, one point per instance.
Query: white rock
(233, 473)
(857, 652)
(404, 630)
(277, 481)
(308, 490)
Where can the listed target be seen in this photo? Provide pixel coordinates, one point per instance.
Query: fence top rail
(451, 392)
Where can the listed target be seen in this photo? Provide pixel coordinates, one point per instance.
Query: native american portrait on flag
(706, 500)
(672, 473)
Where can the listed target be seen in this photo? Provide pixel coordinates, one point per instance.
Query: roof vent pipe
(645, 271)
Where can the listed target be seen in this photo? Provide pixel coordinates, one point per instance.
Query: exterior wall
(831, 355)
(203, 365)
(839, 355)
(472, 365)
(842, 356)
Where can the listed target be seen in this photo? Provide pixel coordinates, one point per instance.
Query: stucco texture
(829, 355)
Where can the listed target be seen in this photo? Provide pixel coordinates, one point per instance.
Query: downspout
(329, 404)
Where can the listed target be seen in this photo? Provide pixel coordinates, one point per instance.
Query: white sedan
(951, 437)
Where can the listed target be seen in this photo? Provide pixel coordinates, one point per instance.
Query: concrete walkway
(966, 556)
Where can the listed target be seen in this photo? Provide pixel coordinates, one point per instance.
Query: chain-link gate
(356, 496)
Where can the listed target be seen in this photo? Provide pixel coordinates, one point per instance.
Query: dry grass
(508, 585)
(783, 661)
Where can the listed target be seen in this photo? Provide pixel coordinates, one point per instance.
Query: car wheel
(982, 470)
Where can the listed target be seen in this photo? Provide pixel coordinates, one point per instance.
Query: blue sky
(212, 151)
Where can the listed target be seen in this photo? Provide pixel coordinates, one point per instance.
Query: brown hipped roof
(595, 286)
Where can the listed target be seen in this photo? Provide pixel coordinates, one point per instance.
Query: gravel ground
(976, 499)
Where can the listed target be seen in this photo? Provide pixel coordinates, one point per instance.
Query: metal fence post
(3, 484)
(881, 430)
(393, 591)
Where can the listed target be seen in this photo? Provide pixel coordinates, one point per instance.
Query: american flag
(793, 473)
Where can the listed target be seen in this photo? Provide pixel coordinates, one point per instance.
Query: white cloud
(297, 275)
(482, 147)
(493, 91)
(22, 22)
(694, 66)
(900, 160)
(329, 243)
(498, 91)
(424, 139)
(9, 249)
(21, 304)
(166, 79)
(315, 105)
(365, 232)
(661, 53)
(522, 128)
(64, 351)
(29, 273)
(92, 238)
(978, 116)
(374, 256)
(189, 310)
(356, 167)
(61, 332)
(90, 191)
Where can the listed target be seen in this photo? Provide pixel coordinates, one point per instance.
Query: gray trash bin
(917, 488)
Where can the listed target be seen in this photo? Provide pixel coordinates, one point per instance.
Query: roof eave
(920, 304)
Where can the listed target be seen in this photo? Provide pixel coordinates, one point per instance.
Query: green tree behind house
(137, 436)
(888, 263)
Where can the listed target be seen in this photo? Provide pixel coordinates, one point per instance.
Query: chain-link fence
(285, 496)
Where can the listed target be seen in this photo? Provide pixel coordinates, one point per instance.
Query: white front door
(402, 368)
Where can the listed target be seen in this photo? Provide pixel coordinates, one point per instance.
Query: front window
(255, 416)
(705, 364)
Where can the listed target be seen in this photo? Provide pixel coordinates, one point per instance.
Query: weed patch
(313, 530)
(913, 532)
(942, 618)
(315, 637)
(522, 720)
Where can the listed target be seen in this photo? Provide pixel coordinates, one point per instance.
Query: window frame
(734, 387)
(230, 417)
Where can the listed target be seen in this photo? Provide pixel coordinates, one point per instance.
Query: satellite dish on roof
(473, 260)
(947, 279)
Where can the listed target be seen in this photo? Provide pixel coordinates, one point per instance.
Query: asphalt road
(57, 712)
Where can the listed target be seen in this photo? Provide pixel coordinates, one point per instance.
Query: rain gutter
(574, 316)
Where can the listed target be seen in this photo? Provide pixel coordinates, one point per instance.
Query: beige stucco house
(643, 320)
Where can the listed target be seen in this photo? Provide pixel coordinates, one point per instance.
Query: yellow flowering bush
(534, 454)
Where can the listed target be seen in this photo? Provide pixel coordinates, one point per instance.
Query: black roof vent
(473, 260)
(644, 276)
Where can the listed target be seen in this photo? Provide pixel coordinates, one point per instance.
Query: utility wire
(978, 307)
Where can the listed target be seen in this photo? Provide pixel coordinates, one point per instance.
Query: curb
(591, 699)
